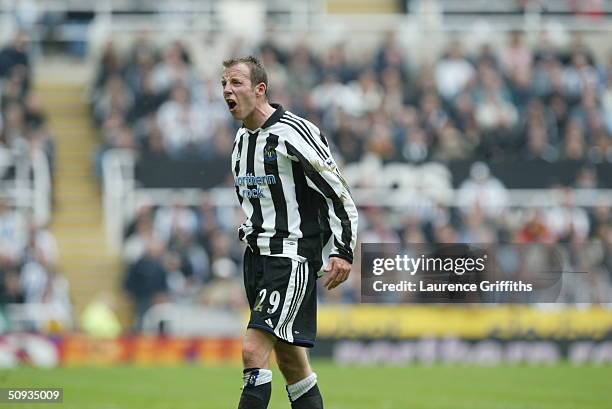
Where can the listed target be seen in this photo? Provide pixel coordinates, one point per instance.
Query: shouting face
(240, 94)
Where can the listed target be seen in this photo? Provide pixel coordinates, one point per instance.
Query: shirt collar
(274, 118)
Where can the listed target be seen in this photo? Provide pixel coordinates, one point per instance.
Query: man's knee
(284, 364)
(253, 356)
(256, 349)
(293, 363)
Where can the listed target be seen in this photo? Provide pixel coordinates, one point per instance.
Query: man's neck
(260, 115)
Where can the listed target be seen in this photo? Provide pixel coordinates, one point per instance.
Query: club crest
(269, 155)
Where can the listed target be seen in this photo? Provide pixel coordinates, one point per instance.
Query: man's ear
(261, 89)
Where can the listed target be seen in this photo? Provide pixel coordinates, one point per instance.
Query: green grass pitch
(344, 387)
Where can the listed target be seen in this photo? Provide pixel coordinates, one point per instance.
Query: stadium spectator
(110, 65)
(146, 281)
(378, 230)
(368, 92)
(35, 281)
(12, 234)
(14, 129)
(451, 145)
(453, 72)
(225, 289)
(183, 125)
(174, 68)
(136, 243)
(568, 219)
(170, 220)
(14, 58)
(516, 58)
(56, 297)
(99, 319)
(11, 290)
(114, 98)
(538, 145)
(535, 229)
(302, 72)
(182, 284)
(494, 109)
(185, 245)
(41, 246)
(482, 190)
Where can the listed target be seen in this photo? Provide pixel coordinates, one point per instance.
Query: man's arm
(324, 176)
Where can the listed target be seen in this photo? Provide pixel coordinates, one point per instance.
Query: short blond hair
(257, 71)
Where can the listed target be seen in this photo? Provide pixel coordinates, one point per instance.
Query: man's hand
(338, 270)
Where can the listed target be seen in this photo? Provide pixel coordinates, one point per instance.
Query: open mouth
(231, 104)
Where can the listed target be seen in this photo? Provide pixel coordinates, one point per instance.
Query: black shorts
(282, 296)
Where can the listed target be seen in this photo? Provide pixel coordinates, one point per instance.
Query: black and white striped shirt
(296, 202)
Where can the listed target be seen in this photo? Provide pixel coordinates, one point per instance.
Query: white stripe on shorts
(296, 289)
(288, 299)
(303, 283)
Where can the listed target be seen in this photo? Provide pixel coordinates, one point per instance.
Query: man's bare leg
(256, 348)
(301, 381)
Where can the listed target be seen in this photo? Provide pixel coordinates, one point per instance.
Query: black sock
(310, 400)
(257, 389)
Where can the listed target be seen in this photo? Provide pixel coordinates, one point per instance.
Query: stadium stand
(538, 115)
(36, 294)
(412, 132)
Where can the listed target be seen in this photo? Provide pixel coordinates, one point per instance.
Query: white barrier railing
(202, 16)
(41, 188)
(29, 191)
(37, 317)
(192, 320)
(118, 190)
(122, 196)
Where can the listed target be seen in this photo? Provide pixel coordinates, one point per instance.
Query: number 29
(274, 301)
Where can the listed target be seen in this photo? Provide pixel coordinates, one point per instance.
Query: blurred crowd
(28, 253)
(496, 103)
(189, 255)
(514, 102)
(184, 255)
(28, 262)
(23, 126)
(519, 101)
(580, 237)
(153, 101)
